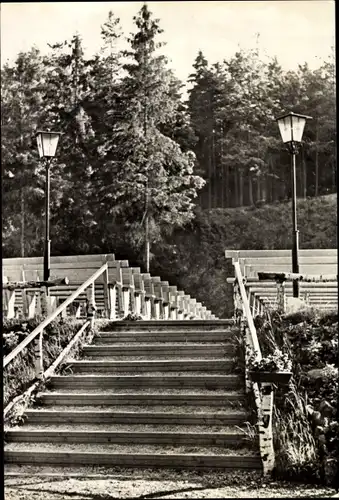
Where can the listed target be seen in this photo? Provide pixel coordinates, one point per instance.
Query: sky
(294, 31)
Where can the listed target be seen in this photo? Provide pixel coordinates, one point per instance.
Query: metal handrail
(53, 315)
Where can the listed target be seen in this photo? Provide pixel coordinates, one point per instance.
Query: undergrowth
(306, 429)
(19, 374)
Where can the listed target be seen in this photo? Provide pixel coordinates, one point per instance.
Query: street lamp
(47, 145)
(291, 126)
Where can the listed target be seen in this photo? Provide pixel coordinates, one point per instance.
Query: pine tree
(149, 183)
(23, 179)
(68, 90)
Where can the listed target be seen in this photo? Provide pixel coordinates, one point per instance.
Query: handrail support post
(265, 428)
(38, 355)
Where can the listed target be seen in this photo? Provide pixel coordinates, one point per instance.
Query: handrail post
(125, 300)
(280, 296)
(10, 303)
(238, 309)
(265, 427)
(148, 307)
(91, 307)
(137, 302)
(38, 355)
(106, 293)
(44, 301)
(112, 294)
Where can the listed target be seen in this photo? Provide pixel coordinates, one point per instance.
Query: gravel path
(121, 484)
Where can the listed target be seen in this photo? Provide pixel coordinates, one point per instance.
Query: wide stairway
(144, 394)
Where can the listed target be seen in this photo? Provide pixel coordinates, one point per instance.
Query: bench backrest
(311, 261)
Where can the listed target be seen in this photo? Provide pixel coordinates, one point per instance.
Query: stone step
(81, 416)
(210, 382)
(103, 436)
(91, 398)
(163, 336)
(214, 365)
(67, 456)
(151, 350)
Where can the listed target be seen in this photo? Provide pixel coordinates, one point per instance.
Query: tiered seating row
(120, 290)
(318, 262)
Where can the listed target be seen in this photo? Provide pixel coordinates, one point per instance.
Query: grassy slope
(198, 265)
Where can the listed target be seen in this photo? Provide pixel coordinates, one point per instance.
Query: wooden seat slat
(279, 253)
(19, 261)
(313, 269)
(303, 260)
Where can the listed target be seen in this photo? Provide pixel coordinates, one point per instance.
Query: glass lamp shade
(291, 127)
(47, 143)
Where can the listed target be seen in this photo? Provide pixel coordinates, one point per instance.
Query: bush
(19, 374)
(297, 456)
(306, 436)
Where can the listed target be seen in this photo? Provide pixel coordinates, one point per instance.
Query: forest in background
(127, 131)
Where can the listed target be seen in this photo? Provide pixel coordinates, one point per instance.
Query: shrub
(19, 374)
(296, 451)
(307, 447)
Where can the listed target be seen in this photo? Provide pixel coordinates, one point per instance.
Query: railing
(263, 396)
(166, 301)
(37, 336)
(249, 300)
(132, 290)
(39, 329)
(281, 278)
(317, 277)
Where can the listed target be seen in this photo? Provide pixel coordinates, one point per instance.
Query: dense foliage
(306, 425)
(233, 105)
(123, 163)
(134, 154)
(194, 257)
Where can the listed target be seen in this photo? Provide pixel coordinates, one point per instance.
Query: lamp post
(47, 145)
(291, 126)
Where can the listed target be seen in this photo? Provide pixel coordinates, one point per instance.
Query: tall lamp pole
(47, 145)
(291, 126)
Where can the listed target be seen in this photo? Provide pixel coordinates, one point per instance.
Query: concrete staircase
(146, 394)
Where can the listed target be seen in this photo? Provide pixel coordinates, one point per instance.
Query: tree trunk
(316, 162)
(215, 184)
(236, 191)
(250, 190)
(264, 189)
(258, 189)
(222, 167)
(303, 163)
(334, 182)
(226, 189)
(209, 178)
(241, 187)
(22, 216)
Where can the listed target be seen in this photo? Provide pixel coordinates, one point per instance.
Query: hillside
(195, 259)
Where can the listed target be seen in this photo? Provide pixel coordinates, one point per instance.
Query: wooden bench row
(310, 261)
(120, 290)
(321, 295)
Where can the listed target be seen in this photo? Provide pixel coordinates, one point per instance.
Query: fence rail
(39, 329)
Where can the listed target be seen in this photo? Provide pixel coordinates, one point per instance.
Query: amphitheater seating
(127, 287)
(312, 262)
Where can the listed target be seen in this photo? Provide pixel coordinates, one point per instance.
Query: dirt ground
(96, 485)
